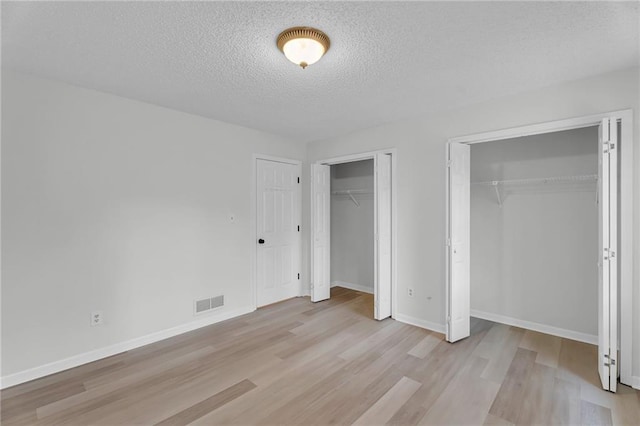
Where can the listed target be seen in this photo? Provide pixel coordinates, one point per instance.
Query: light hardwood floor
(330, 363)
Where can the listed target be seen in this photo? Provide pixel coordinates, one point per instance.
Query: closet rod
(553, 179)
(352, 191)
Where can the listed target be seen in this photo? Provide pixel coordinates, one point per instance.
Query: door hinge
(298, 228)
(606, 131)
(611, 361)
(449, 162)
(298, 275)
(298, 179)
(448, 243)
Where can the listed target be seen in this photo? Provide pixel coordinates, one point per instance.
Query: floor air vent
(203, 305)
(217, 301)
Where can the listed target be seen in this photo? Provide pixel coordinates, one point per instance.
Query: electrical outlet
(410, 292)
(96, 318)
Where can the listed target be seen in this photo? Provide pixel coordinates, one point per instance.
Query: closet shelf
(351, 192)
(554, 179)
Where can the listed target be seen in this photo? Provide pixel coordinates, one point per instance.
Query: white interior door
(458, 240)
(382, 275)
(321, 232)
(277, 229)
(608, 254)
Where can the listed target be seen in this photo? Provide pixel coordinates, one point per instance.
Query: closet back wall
(535, 257)
(352, 226)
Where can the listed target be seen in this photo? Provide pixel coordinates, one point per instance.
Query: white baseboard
(636, 382)
(432, 326)
(542, 328)
(351, 286)
(84, 358)
(305, 289)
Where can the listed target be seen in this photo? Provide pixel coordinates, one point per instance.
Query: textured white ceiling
(388, 60)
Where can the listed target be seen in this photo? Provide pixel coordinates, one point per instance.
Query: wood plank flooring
(330, 363)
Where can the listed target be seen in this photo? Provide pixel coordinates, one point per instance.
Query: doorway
(612, 261)
(382, 225)
(352, 226)
(277, 239)
(534, 232)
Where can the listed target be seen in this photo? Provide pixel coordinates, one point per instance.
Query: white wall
(121, 206)
(420, 175)
(352, 226)
(535, 257)
(109, 202)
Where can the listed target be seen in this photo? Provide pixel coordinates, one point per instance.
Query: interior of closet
(534, 231)
(352, 225)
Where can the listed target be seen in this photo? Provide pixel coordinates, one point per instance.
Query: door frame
(253, 286)
(625, 243)
(370, 155)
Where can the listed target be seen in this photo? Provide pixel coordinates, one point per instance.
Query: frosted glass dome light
(303, 45)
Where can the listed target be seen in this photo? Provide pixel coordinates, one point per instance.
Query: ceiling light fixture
(303, 45)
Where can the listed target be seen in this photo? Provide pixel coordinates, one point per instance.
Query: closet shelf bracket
(353, 199)
(497, 189)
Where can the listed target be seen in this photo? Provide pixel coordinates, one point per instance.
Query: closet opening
(352, 231)
(534, 232)
(538, 234)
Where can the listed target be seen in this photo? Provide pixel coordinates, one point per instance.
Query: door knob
(260, 241)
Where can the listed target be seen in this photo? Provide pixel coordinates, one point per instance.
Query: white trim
(625, 242)
(540, 128)
(428, 325)
(394, 234)
(370, 155)
(447, 236)
(447, 242)
(350, 158)
(626, 210)
(541, 328)
(276, 159)
(352, 286)
(84, 358)
(253, 289)
(636, 382)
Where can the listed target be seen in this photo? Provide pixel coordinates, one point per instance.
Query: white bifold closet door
(321, 232)
(382, 250)
(608, 254)
(458, 240)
